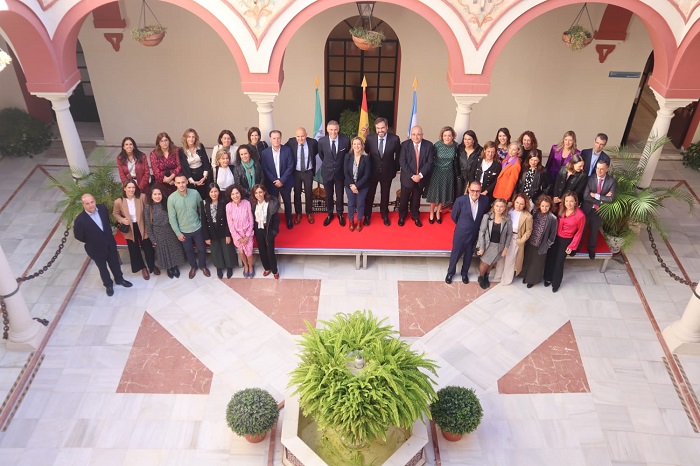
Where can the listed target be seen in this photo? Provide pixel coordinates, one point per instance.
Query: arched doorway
(345, 65)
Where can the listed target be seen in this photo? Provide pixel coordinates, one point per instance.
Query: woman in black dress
(169, 252)
(487, 170)
(534, 180)
(216, 233)
(468, 155)
(544, 232)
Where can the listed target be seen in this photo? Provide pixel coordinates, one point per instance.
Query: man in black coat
(92, 227)
(332, 149)
(383, 149)
(416, 160)
(304, 150)
(601, 187)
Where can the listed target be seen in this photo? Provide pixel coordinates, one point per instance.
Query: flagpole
(363, 127)
(414, 111)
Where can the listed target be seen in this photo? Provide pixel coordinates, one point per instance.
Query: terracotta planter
(363, 44)
(152, 40)
(255, 438)
(450, 437)
(614, 243)
(567, 40)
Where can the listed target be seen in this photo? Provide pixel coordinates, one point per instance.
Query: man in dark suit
(600, 188)
(467, 212)
(332, 150)
(592, 156)
(278, 166)
(92, 227)
(304, 150)
(416, 160)
(383, 149)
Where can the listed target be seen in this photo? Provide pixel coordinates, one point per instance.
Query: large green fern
(393, 389)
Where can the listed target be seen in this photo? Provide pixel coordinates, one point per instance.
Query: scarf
(249, 172)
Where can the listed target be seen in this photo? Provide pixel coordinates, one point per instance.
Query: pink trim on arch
(455, 66)
(684, 81)
(662, 38)
(690, 13)
(66, 36)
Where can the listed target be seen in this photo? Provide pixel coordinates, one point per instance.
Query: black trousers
(111, 261)
(593, 222)
(334, 185)
(286, 199)
(385, 195)
(266, 249)
(305, 179)
(554, 267)
(135, 246)
(414, 192)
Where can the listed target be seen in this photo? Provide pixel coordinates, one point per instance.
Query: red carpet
(376, 236)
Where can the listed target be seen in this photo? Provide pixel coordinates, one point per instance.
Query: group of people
(193, 201)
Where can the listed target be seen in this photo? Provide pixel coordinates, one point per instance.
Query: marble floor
(580, 377)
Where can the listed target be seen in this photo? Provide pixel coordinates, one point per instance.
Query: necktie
(600, 185)
(333, 151)
(417, 160)
(381, 147)
(303, 158)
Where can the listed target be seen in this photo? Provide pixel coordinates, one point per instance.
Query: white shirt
(276, 159)
(95, 216)
(475, 206)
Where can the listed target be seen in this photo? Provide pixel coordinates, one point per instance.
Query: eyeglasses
(474, 190)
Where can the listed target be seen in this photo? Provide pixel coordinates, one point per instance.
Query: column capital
(466, 101)
(667, 105)
(264, 100)
(59, 100)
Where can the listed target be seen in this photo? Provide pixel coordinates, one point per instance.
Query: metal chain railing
(3, 306)
(673, 275)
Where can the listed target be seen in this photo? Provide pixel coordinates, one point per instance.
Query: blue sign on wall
(624, 74)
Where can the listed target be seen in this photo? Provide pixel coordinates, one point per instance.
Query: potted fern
(577, 37)
(251, 413)
(357, 379)
(633, 205)
(149, 35)
(457, 411)
(366, 39)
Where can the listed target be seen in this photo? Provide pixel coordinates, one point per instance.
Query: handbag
(123, 228)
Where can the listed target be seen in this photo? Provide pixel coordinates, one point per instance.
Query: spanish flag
(363, 130)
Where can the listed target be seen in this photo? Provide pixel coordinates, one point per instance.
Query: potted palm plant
(367, 39)
(251, 413)
(633, 205)
(457, 411)
(577, 37)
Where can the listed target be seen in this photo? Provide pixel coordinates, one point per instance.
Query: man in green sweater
(184, 207)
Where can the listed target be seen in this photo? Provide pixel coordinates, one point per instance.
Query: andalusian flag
(363, 129)
(318, 130)
(414, 112)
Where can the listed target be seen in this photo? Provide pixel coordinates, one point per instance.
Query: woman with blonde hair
(223, 171)
(357, 169)
(521, 221)
(194, 162)
(495, 235)
(560, 154)
(510, 172)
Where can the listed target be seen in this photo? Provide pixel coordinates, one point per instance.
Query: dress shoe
(366, 221)
(266, 273)
(402, 221)
(310, 218)
(229, 272)
(438, 219)
(486, 280)
(530, 285)
(555, 289)
(246, 274)
(328, 220)
(124, 283)
(170, 273)
(193, 272)
(297, 219)
(482, 283)
(277, 276)
(110, 290)
(386, 220)
(341, 220)
(206, 272)
(290, 224)
(251, 274)
(352, 225)
(465, 279)
(524, 281)
(591, 254)
(359, 226)
(546, 283)
(176, 272)
(220, 272)
(431, 220)
(448, 279)
(156, 271)
(145, 274)
(418, 222)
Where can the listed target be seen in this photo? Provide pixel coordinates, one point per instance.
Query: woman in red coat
(133, 165)
(165, 162)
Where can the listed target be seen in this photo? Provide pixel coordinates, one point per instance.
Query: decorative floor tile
(553, 367)
(158, 363)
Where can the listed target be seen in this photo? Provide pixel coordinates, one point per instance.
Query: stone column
(683, 336)
(25, 333)
(658, 131)
(264, 101)
(464, 110)
(69, 133)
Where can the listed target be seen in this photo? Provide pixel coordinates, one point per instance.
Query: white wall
(10, 92)
(189, 80)
(540, 85)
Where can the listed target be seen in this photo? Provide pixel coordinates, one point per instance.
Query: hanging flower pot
(578, 37)
(366, 39)
(150, 35)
